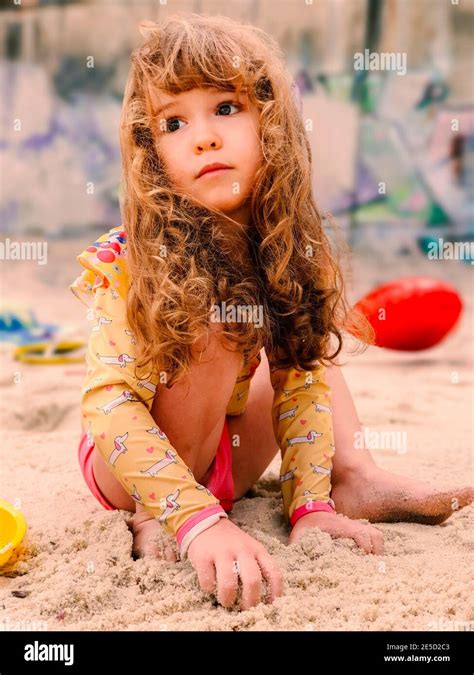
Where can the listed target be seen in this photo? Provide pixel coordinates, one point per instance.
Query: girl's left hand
(367, 537)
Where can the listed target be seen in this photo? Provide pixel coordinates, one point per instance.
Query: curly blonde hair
(178, 257)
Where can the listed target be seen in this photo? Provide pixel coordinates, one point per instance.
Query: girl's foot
(149, 539)
(381, 496)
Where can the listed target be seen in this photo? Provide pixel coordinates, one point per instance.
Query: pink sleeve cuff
(310, 507)
(196, 524)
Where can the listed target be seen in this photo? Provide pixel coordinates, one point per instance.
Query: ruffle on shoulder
(104, 264)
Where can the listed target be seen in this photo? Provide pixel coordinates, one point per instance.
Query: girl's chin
(220, 201)
(226, 206)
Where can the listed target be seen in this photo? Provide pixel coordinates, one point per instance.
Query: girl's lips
(214, 171)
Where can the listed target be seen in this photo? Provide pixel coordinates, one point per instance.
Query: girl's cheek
(166, 156)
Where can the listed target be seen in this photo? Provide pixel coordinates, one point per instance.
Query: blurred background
(385, 151)
(393, 143)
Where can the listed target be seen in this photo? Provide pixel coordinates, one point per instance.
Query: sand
(75, 564)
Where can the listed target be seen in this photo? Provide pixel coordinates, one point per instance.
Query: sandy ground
(75, 563)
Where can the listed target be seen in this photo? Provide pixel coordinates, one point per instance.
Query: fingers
(363, 540)
(369, 539)
(251, 578)
(377, 541)
(227, 581)
(272, 575)
(170, 554)
(295, 536)
(249, 569)
(206, 573)
(232, 557)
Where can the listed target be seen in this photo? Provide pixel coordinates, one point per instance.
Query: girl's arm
(116, 414)
(302, 423)
(303, 426)
(240, 394)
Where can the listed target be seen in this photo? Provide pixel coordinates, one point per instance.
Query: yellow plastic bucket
(12, 530)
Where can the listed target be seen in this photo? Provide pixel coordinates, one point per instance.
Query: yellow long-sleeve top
(116, 412)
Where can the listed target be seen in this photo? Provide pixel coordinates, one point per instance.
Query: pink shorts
(220, 481)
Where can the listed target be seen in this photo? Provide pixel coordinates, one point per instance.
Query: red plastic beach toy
(411, 313)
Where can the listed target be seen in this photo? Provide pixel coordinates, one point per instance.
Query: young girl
(218, 312)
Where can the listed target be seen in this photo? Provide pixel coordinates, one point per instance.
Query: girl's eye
(174, 120)
(229, 103)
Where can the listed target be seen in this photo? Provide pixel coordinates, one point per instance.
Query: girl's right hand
(213, 554)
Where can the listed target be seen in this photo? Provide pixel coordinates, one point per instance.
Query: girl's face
(206, 126)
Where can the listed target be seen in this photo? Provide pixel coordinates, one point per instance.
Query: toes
(462, 498)
(440, 506)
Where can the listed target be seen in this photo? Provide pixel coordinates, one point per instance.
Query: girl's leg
(192, 413)
(109, 485)
(362, 490)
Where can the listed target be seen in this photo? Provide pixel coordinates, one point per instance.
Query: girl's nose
(207, 139)
(206, 134)
(205, 146)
